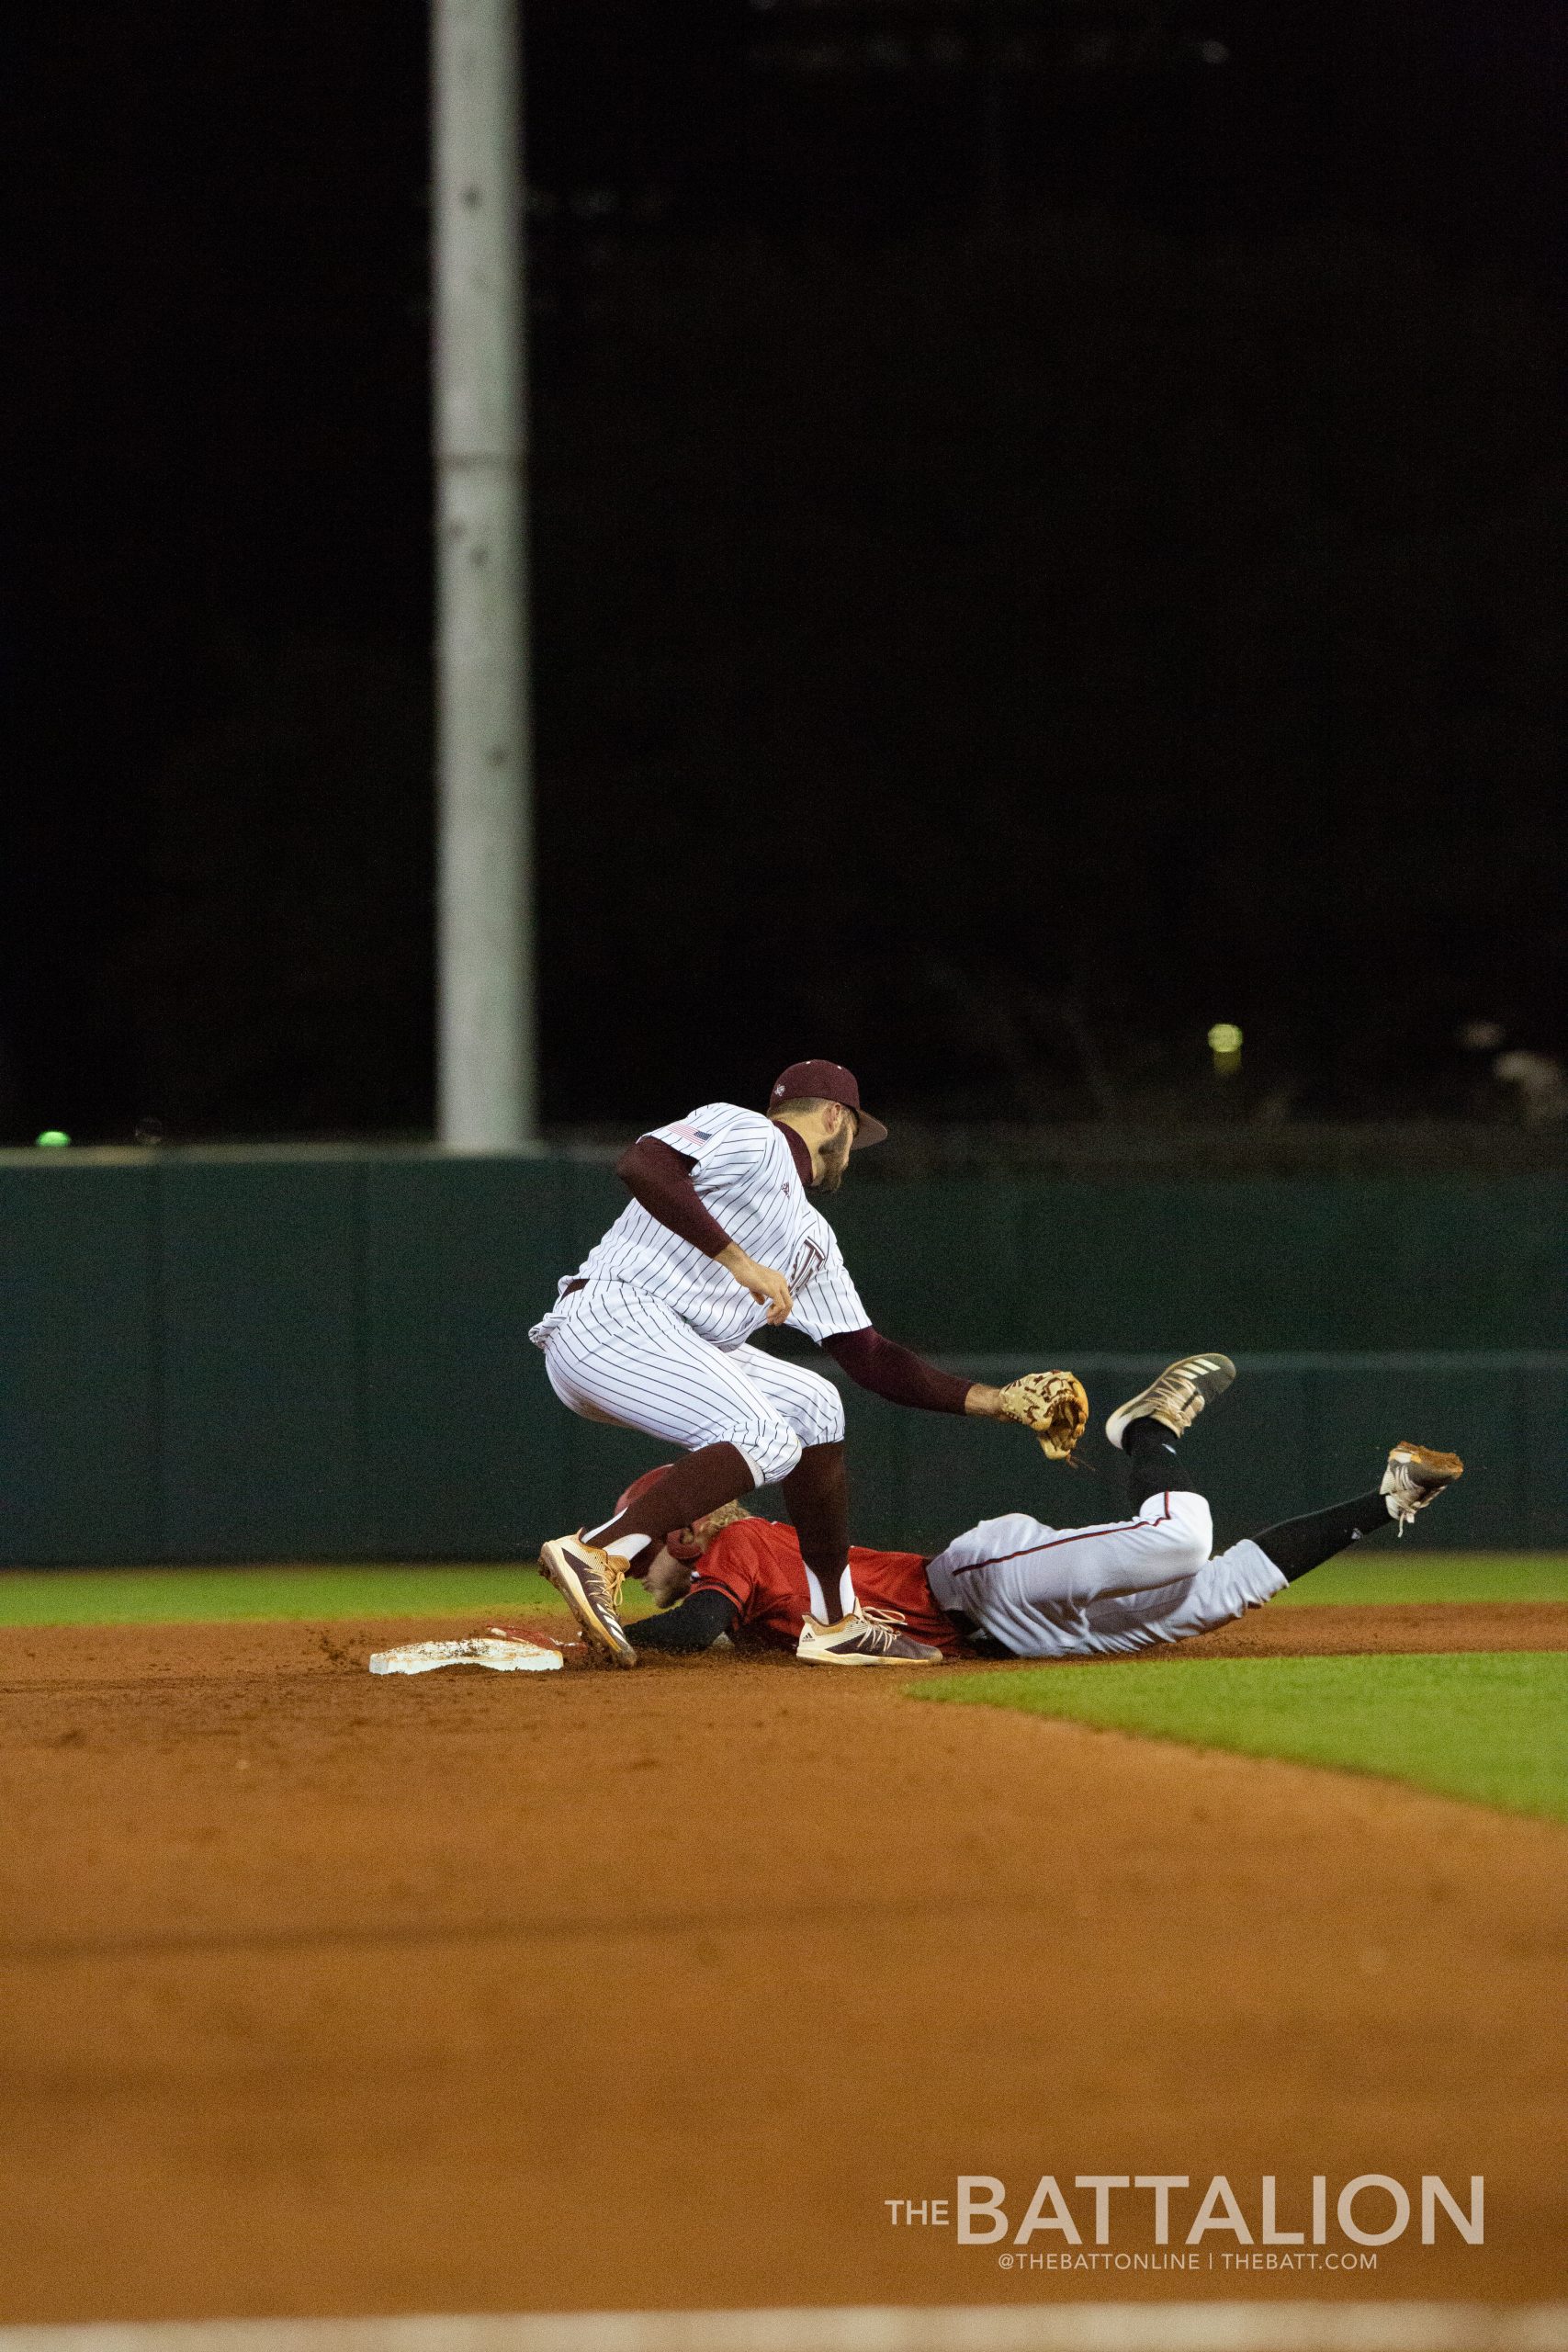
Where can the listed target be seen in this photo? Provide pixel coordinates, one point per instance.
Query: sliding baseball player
(1014, 1587)
(719, 1240)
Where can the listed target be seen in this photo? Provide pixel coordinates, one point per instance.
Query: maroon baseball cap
(829, 1082)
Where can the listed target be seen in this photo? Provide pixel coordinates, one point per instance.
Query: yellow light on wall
(1224, 1043)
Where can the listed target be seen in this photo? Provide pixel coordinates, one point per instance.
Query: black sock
(1152, 1464)
(1298, 1544)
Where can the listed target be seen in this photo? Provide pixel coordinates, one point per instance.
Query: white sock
(843, 1606)
(626, 1547)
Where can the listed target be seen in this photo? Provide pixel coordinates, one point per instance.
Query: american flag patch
(681, 1131)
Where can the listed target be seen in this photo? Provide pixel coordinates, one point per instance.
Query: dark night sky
(1026, 565)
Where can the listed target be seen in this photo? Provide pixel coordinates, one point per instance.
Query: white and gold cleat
(589, 1581)
(866, 1637)
(1176, 1397)
(1416, 1476)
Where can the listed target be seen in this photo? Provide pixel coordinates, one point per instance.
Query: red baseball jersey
(757, 1564)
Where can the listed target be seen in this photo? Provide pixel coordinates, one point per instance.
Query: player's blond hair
(714, 1523)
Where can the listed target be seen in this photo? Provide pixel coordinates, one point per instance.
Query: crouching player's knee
(772, 1448)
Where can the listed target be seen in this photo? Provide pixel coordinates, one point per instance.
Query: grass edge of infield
(1501, 1739)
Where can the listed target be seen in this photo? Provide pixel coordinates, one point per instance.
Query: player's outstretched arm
(1052, 1404)
(902, 1377)
(694, 1624)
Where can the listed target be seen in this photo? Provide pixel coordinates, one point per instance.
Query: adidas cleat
(866, 1637)
(1176, 1397)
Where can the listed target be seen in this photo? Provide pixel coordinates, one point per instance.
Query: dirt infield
(321, 1993)
(1336, 1630)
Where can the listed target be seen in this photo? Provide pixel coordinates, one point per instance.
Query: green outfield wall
(324, 1355)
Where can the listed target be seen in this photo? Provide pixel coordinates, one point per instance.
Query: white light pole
(487, 1081)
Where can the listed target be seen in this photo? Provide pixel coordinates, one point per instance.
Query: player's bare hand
(984, 1401)
(770, 1289)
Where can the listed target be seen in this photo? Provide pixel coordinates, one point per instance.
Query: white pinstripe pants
(615, 1355)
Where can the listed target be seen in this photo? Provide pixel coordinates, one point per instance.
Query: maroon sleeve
(659, 1177)
(896, 1373)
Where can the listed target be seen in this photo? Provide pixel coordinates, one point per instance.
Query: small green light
(53, 1139)
(1224, 1037)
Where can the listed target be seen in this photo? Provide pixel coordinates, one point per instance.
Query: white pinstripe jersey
(746, 1178)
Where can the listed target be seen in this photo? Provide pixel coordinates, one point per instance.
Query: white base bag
(504, 1654)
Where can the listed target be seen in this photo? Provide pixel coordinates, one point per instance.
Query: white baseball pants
(1101, 1591)
(614, 1354)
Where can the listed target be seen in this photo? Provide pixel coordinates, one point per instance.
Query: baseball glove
(1053, 1404)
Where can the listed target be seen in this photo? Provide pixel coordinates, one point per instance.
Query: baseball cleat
(1176, 1397)
(866, 1637)
(1415, 1474)
(591, 1582)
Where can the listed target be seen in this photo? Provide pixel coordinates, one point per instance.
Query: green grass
(209, 1596)
(217, 1596)
(1491, 1725)
(1404, 1572)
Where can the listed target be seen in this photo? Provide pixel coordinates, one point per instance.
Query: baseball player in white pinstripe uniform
(719, 1240)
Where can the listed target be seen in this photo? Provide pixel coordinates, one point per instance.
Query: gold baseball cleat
(589, 1581)
(1416, 1476)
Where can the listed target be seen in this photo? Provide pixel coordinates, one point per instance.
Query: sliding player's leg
(1029, 1584)
(1414, 1476)
(1024, 1582)
(1259, 1568)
